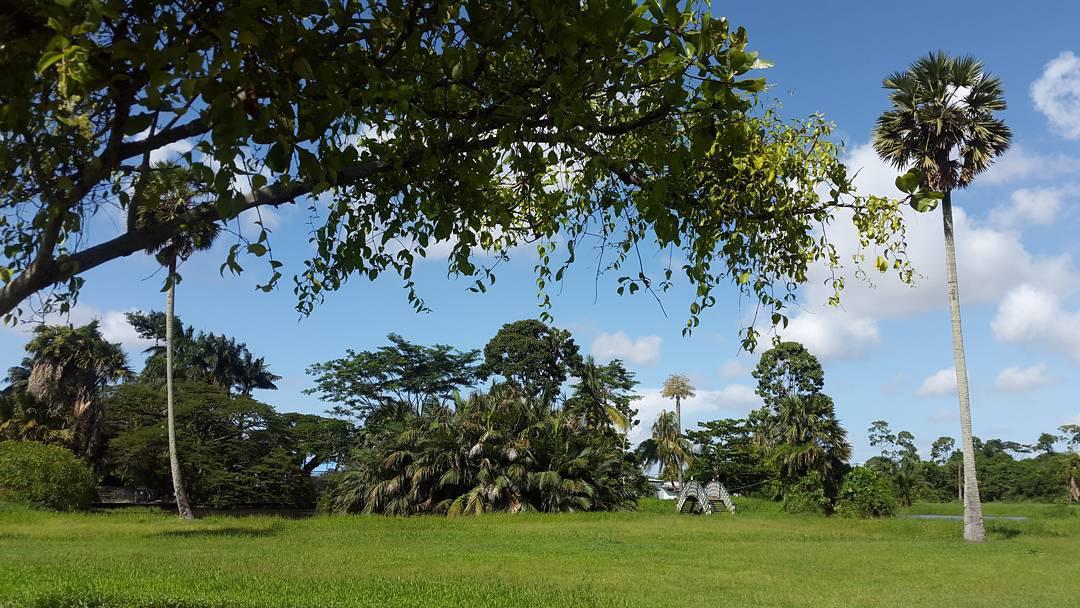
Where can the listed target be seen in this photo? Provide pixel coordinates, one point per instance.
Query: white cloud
(830, 333)
(1057, 94)
(731, 401)
(1020, 379)
(1038, 206)
(991, 261)
(733, 368)
(643, 351)
(1019, 164)
(1035, 316)
(170, 151)
(945, 415)
(113, 324)
(268, 216)
(942, 382)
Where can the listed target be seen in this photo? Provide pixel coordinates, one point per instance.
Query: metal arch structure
(704, 500)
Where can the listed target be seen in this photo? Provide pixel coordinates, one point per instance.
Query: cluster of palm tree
(210, 358)
(496, 451)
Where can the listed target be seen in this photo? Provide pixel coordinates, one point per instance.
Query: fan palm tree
(170, 191)
(805, 438)
(667, 447)
(678, 387)
(70, 367)
(942, 123)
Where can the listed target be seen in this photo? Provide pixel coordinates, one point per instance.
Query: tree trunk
(678, 423)
(973, 517)
(960, 482)
(182, 506)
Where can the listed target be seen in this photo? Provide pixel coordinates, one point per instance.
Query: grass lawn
(653, 557)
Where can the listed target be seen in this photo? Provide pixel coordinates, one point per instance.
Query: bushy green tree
(45, 476)
(724, 451)
(796, 427)
(866, 493)
(807, 495)
(237, 451)
(533, 357)
(396, 380)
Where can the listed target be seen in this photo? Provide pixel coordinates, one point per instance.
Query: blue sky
(886, 352)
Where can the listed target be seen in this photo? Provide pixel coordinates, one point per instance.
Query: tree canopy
(532, 356)
(402, 125)
(394, 379)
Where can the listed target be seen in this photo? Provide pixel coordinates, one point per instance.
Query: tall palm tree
(170, 191)
(70, 367)
(942, 123)
(678, 387)
(254, 373)
(593, 397)
(667, 447)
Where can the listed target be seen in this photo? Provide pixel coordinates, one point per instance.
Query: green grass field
(653, 557)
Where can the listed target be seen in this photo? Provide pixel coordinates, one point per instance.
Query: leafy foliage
(494, 451)
(866, 493)
(532, 356)
(406, 125)
(942, 121)
(797, 427)
(807, 495)
(204, 357)
(235, 451)
(393, 380)
(787, 370)
(45, 476)
(724, 451)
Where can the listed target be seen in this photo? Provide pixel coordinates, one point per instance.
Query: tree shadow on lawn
(226, 532)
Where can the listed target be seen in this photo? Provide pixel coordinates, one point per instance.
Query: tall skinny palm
(942, 123)
(678, 387)
(667, 447)
(170, 191)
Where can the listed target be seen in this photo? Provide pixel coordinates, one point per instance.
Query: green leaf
(257, 249)
(909, 182)
(303, 68)
(247, 37)
(278, 158)
(925, 201)
(48, 59)
(137, 123)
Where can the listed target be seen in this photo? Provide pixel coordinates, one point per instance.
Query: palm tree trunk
(973, 517)
(182, 506)
(678, 435)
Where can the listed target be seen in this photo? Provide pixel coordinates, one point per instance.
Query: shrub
(866, 493)
(45, 476)
(807, 496)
